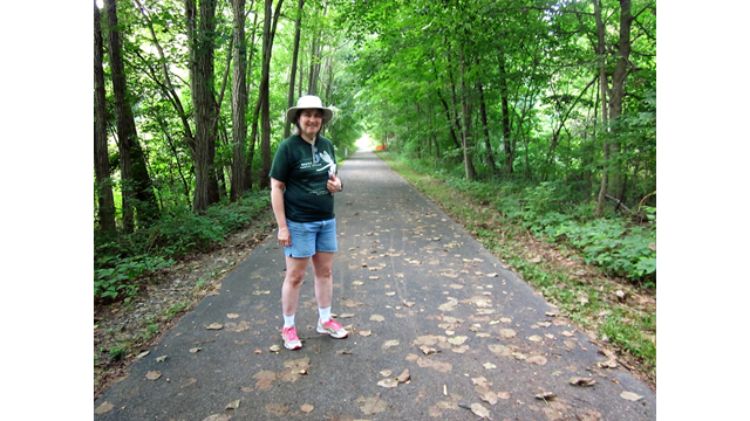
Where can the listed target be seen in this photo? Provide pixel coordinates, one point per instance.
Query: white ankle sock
(325, 314)
(288, 320)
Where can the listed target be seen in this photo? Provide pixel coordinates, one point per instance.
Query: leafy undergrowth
(121, 263)
(614, 310)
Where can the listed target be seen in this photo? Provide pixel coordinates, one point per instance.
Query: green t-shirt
(306, 198)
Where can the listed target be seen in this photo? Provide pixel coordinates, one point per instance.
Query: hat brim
(292, 112)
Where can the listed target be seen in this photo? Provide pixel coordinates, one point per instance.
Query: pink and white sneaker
(291, 340)
(332, 328)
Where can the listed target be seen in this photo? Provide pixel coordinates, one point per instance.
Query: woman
(303, 181)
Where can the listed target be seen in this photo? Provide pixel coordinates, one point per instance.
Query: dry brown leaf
(500, 350)
(404, 376)
(630, 396)
(357, 283)
(215, 326)
(582, 381)
(449, 306)
(507, 333)
(233, 405)
(442, 367)
(519, 355)
(346, 315)
(365, 332)
(274, 348)
(195, 349)
(390, 294)
(460, 349)
(388, 383)
(610, 363)
(427, 350)
(377, 318)
(537, 359)
(385, 373)
(153, 375)
(480, 410)
(371, 405)
(535, 338)
(306, 408)
(458, 340)
(489, 365)
(264, 379)
(103, 408)
(232, 315)
(567, 333)
(142, 354)
(389, 344)
(545, 396)
(503, 395)
(486, 394)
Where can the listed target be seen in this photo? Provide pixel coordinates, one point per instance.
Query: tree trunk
(201, 46)
(239, 101)
(269, 30)
(295, 55)
(137, 192)
(466, 134)
(600, 51)
(106, 202)
(489, 157)
(508, 147)
(617, 175)
(312, 82)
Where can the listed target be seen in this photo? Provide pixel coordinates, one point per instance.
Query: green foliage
(120, 263)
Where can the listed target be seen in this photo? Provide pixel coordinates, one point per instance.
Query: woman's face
(310, 122)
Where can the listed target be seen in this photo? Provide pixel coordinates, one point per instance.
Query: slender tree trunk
(106, 201)
(239, 101)
(248, 178)
(137, 191)
(508, 147)
(448, 117)
(618, 179)
(201, 83)
(173, 148)
(466, 137)
(489, 157)
(601, 51)
(295, 55)
(312, 82)
(269, 30)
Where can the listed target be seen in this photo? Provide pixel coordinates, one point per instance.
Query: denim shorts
(309, 238)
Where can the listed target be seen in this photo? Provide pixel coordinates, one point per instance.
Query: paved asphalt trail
(417, 292)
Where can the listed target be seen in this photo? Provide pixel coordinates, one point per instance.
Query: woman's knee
(295, 277)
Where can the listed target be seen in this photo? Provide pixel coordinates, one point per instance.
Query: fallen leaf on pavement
(233, 405)
(306, 408)
(365, 332)
(390, 343)
(161, 359)
(142, 354)
(377, 318)
(582, 381)
(480, 410)
(274, 348)
(507, 333)
(545, 396)
(153, 375)
(195, 349)
(232, 315)
(537, 359)
(388, 383)
(458, 340)
(346, 315)
(404, 376)
(489, 366)
(264, 379)
(486, 394)
(215, 326)
(103, 408)
(631, 396)
(503, 395)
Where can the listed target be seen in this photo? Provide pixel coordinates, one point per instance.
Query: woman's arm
(277, 203)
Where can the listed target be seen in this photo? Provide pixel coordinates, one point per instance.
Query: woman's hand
(285, 239)
(334, 184)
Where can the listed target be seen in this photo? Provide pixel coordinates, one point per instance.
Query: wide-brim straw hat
(308, 102)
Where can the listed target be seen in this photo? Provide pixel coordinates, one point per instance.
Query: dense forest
(547, 107)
